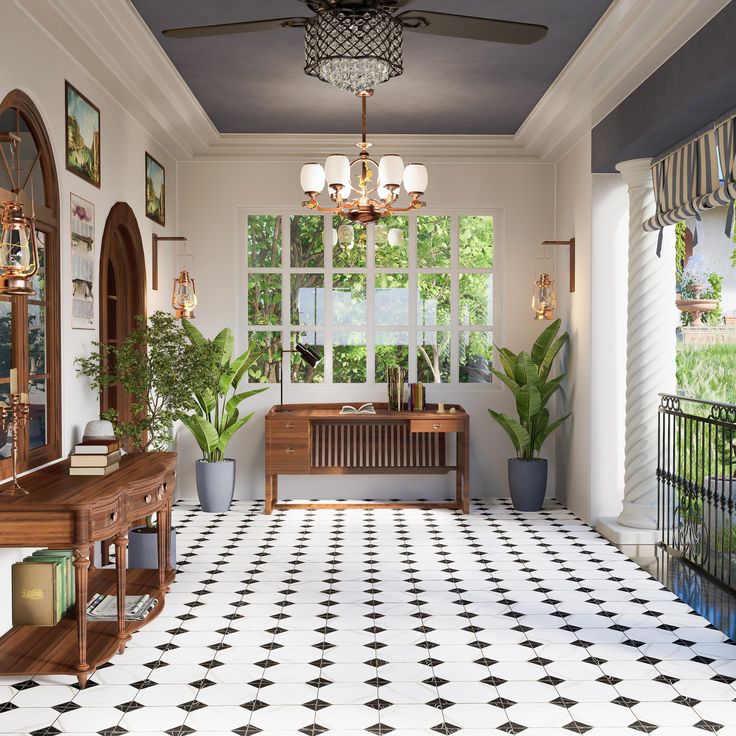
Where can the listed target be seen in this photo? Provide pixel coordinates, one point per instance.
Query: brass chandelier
(383, 178)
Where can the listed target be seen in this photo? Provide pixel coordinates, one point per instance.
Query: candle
(24, 398)
(13, 380)
(441, 408)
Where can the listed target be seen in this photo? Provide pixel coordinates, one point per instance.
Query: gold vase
(395, 382)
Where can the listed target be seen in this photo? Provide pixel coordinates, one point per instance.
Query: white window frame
(370, 271)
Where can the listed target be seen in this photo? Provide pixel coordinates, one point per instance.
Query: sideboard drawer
(142, 503)
(286, 458)
(290, 430)
(437, 425)
(106, 519)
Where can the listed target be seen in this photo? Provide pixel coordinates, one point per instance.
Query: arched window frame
(47, 211)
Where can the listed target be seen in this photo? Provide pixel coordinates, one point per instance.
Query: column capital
(636, 172)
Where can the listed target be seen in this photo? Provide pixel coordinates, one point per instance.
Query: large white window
(417, 291)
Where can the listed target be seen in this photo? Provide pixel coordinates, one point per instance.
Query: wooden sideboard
(315, 439)
(74, 512)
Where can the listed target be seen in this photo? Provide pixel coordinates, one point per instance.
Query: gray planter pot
(143, 547)
(216, 485)
(527, 483)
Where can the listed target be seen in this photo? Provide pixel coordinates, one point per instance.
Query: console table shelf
(73, 512)
(53, 650)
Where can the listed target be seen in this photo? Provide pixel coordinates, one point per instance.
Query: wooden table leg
(81, 568)
(271, 489)
(169, 564)
(462, 474)
(121, 550)
(466, 470)
(163, 521)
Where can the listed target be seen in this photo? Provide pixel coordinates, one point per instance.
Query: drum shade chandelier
(383, 178)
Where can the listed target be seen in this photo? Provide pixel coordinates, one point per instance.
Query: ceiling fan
(356, 44)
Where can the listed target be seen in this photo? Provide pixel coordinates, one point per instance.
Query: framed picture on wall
(155, 190)
(83, 263)
(82, 136)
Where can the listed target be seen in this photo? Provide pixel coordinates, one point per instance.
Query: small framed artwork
(155, 190)
(83, 263)
(82, 136)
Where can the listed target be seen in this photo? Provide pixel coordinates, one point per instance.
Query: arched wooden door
(122, 291)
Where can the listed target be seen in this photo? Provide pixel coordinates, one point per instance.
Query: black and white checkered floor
(413, 623)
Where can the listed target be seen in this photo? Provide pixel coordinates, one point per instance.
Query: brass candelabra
(14, 416)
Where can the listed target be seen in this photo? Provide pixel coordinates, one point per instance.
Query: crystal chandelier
(353, 48)
(384, 178)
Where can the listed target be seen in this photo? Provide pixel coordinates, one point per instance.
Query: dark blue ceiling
(255, 83)
(694, 87)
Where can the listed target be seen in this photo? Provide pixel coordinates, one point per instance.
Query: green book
(60, 581)
(68, 557)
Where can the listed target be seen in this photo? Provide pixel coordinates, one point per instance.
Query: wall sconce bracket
(154, 255)
(571, 244)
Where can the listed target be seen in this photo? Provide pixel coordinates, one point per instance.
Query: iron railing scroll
(696, 484)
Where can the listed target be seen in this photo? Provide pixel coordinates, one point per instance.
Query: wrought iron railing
(697, 488)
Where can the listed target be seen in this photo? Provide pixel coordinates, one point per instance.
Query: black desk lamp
(307, 355)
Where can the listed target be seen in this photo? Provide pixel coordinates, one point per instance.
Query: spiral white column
(650, 361)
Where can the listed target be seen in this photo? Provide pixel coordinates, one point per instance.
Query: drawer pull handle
(162, 488)
(148, 498)
(436, 426)
(114, 516)
(290, 450)
(161, 493)
(289, 425)
(174, 474)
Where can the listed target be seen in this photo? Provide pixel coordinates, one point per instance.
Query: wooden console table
(74, 512)
(315, 439)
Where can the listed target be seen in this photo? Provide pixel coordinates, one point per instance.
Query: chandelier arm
(313, 204)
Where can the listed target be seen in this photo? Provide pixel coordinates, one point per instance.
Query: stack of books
(43, 587)
(105, 607)
(95, 457)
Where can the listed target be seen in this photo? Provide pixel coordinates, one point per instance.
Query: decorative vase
(527, 483)
(216, 485)
(143, 547)
(395, 383)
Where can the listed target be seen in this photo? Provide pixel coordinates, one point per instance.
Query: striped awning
(695, 178)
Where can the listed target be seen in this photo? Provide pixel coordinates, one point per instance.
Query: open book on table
(364, 409)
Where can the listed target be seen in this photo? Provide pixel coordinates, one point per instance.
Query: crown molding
(425, 148)
(111, 42)
(631, 40)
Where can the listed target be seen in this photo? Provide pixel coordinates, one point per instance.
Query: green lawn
(707, 372)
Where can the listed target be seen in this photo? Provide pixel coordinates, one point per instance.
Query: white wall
(40, 72)
(525, 193)
(573, 441)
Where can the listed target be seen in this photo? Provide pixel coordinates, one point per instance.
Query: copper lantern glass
(544, 301)
(18, 251)
(184, 296)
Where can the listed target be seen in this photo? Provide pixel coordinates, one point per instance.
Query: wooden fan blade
(225, 29)
(467, 26)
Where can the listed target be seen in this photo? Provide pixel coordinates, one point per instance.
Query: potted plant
(216, 416)
(527, 376)
(158, 368)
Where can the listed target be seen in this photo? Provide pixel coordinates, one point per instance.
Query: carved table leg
(268, 507)
(121, 549)
(169, 565)
(81, 567)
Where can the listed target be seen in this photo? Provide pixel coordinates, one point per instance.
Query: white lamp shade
(312, 178)
(390, 170)
(346, 234)
(416, 178)
(337, 170)
(384, 193)
(395, 237)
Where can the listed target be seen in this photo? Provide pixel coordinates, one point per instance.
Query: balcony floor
(410, 622)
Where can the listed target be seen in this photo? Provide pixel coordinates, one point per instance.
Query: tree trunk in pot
(527, 483)
(216, 485)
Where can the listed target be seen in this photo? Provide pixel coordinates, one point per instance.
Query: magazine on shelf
(105, 607)
(364, 409)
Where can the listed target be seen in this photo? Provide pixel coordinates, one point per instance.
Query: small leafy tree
(159, 369)
(528, 378)
(216, 414)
